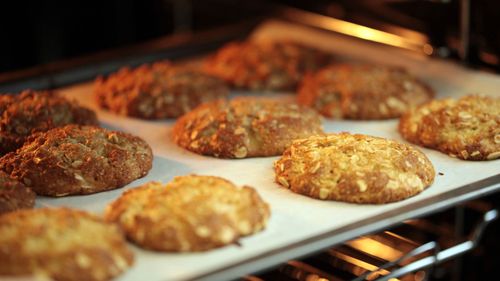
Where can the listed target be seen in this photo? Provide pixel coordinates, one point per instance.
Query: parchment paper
(294, 217)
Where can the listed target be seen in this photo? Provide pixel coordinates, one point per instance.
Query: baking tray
(298, 225)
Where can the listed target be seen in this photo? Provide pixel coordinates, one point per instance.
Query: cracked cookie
(190, 213)
(363, 92)
(467, 128)
(61, 244)
(37, 111)
(354, 168)
(78, 160)
(245, 127)
(156, 91)
(265, 65)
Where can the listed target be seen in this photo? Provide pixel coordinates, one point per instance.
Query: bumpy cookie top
(191, 213)
(159, 90)
(31, 112)
(354, 168)
(467, 128)
(78, 160)
(61, 243)
(362, 91)
(245, 127)
(265, 65)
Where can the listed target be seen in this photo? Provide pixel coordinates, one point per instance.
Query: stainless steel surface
(430, 246)
(446, 254)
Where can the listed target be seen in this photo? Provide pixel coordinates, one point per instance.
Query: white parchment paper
(294, 217)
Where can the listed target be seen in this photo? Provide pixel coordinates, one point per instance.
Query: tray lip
(336, 236)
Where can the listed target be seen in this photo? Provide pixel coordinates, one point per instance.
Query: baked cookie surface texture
(156, 91)
(362, 92)
(245, 127)
(265, 65)
(190, 213)
(37, 111)
(14, 195)
(354, 168)
(61, 244)
(467, 128)
(78, 160)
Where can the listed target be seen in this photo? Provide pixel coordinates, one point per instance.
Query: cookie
(354, 168)
(191, 213)
(265, 65)
(37, 111)
(245, 127)
(14, 195)
(61, 244)
(365, 92)
(78, 160)
(156, 91)
(467, 128)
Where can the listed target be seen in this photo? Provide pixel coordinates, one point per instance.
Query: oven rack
(366, 257)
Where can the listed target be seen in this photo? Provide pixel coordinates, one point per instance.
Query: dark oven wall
(39, 32)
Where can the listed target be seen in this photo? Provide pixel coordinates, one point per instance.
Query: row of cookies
(55, 147)
(343, 167)
(152, 216)
(25, 117)
(335, 90)
(191, 213)
(249, 137)
(467, 128)
(247, 128)
(166, 90)
(63, 157)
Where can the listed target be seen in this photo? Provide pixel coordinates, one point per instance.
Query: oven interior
(460, 243)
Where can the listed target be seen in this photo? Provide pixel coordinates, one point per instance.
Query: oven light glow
(375, 248)
(414, 42)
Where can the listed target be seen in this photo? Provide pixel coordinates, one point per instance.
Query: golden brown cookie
(354, 168)
(245, 127)
(362, 91)
(191, 213)
(467, 128)
(62, 244)
(14, 195)
(159, 90)
(265, 65)
(31, 111)
(78, 160)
